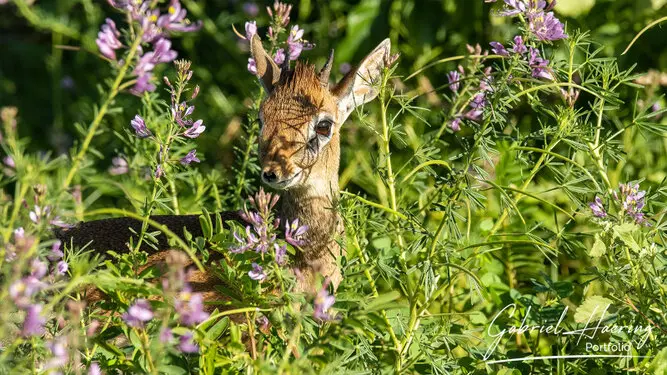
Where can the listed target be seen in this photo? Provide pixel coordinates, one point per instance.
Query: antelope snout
(275, 178)
(269, 176)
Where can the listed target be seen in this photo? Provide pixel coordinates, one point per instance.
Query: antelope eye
(324, 128)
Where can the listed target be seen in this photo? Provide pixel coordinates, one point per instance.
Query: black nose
(269, 176)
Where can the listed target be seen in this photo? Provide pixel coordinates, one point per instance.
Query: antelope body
(299, 152)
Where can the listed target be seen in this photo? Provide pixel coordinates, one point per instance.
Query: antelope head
(301, 116)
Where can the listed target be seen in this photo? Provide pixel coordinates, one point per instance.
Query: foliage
(484, 191)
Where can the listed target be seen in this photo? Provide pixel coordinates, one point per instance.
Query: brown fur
(286, 115)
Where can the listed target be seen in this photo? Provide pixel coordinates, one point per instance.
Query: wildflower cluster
(543, 26)
(181, 129)
(323, 303)
(151, 28)
(282, 51)
(188, 306)
(630, 201)
(24, 291)
(261, 233)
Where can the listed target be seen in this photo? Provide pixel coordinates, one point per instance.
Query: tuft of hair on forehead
(298, 95)
(301, 79)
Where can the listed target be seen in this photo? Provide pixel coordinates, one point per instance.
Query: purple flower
(37, 213)
(94, 369)
(244, 244)
(597, 207)
(38, 269)
(33, 324)
(62, 267)
(279, 57)
(195, 130)
(190, 157)
(175, 19)
(526, 7)
(139, 313)
(9, 161)
(295, 50)
(56, 253)
(250, 29)
(498, 49)
(148, 20)
(546, 26)
(159, 172)
(477, 105)
(165, 335)
(181, 112)
(59, 352)
(281, 254)
(632, 202)
(140, 127)
(143, 84)
(263, 323)
(251, 9)
(454, 79)
(22, 290)
(540, 66)
(295, 42)
(190, 307)
(323, 302)
(187, 344)
(107, 39)
(486, 83)
(162, 52)
(119, 165)
(145, 64)
(294, 233)
(252, 66)
(518, 45)
(257, 272)
(455, 124)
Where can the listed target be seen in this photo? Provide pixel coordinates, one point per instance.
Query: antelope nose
(269, 176)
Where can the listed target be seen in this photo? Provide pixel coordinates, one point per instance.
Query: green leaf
(171, 370)
(206, 224)
(217, 329)
(574, 8)
(599, 248)
(591, 309)
(624, 233)
(509, 371)
(657, 4)
(659, 364)
(486, 225)
(383, 300)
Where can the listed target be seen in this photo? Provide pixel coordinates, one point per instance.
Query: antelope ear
(267, 70)
(361, 85)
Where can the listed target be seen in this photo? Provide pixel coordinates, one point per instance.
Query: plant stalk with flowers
(146, 26)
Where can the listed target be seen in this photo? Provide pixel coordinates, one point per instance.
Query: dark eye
(324, 128)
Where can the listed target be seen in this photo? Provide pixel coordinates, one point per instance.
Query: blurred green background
(55, 87)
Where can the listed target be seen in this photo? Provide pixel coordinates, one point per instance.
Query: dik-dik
(299, 150)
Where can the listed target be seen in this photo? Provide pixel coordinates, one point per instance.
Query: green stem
(102, 111)
(524, 186)
(376, 205)
(595, 151)
(371, 282)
